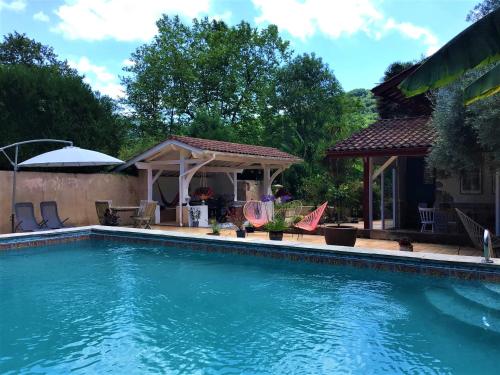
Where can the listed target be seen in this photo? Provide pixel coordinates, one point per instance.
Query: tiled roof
(233, 148)
(389, 136)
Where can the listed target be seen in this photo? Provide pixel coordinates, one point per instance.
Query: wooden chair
(145, 214)
(102, 207)
(476, 232)
(256, 213)
(426, 218)
(310, 222)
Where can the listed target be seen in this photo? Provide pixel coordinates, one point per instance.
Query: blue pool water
(105, 307)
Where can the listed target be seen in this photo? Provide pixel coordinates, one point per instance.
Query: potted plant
(276, 228)
(215, 228)
(405, 244)
(236, 217)
(195, 216)
(249, 228)
(342, 235)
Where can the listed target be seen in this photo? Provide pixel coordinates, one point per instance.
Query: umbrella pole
(13, 215)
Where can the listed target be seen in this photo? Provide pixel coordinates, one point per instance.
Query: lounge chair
(310, 222)
(25, 218)
(476, 232)
(50, 215)
(102, 207)
(256, 213)
(145, 214)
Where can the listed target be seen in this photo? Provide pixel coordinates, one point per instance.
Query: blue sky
(357, 38)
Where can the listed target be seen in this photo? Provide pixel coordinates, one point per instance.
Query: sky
(358, 39)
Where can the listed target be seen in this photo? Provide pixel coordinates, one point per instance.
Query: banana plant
(477, 46)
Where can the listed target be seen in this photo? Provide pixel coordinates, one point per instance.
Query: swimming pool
(97, 306)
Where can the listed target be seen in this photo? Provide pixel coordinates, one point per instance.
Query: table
(125, 219)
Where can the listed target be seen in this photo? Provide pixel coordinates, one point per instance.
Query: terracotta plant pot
(276, 236)
(241, 233)
(341, 236)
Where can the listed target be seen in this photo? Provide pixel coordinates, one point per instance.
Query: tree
(482, 9)
(395, 68)
(205, 68)
(19, 49)
(41, 97)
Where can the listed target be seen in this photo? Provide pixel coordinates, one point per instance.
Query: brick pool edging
(462, 267)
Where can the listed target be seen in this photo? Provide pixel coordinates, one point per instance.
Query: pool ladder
(487, 247)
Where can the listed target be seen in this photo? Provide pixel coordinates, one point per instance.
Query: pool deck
(319, 240)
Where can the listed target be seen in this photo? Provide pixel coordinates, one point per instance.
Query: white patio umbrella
(69, 156)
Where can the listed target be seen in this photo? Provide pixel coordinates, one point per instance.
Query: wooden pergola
(187, 156)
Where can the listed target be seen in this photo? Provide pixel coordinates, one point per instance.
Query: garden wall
(74, 193)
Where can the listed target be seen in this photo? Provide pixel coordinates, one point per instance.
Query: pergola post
(182, 168)
(367, 193)
(394, 198)
(382, 203)
(497, 202)
(235, 186)
(267, 179)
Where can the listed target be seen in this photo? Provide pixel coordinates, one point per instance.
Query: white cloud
(123, 20)
(41, 16)
(226, 16)
(336, 18)
(415, 32)
(127, 63)
(15, 5)
(98, 77)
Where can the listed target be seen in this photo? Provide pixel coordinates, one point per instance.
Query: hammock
(256, 214)
(310, 221)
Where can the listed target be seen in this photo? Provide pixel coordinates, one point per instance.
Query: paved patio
(361, 242)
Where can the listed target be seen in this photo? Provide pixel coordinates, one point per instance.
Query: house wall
(74, 193)
(451, 186)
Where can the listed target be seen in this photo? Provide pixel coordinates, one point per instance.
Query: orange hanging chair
(256, 214)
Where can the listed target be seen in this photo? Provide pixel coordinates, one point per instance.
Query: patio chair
(256, 213)
(102, 207)
(50, 215)
(145, 214)
(476, 232)
(426, 219)
(25, 217)
(310, 222)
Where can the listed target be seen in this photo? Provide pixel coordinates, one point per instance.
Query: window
(470, 182)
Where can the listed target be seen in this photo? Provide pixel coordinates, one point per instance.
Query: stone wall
(74, 193)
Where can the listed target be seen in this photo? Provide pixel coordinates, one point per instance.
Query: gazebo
(183, 157)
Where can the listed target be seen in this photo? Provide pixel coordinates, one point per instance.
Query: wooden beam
(384, 166)
(157, 175)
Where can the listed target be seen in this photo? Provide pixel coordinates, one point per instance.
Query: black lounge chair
(25, 218)
(50, 215)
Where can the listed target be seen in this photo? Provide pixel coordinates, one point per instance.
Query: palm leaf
(476, 46)
(486, 85)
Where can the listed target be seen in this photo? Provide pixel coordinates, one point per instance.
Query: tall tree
(41, 97)
(482, 9)
(206, 68)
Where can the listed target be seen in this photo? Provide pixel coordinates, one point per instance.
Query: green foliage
(19, 49)
(395, 68)
(40, 102)
(475, 47)
(41, 97)
(208, 67)
(482, 9)
(465, 133)
(277, 225)
(214, 225)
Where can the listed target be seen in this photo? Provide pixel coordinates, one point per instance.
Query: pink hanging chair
(256, 214)
(311, 220)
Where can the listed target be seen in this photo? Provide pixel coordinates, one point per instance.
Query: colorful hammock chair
(256, 214)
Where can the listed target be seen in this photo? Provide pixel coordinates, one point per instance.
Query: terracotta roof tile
(234, 148)
(389, 134)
